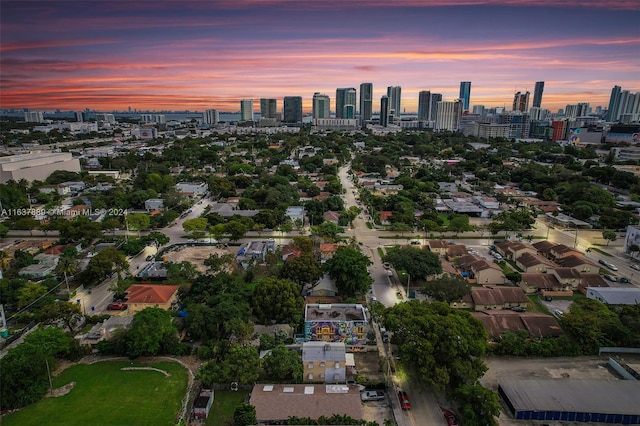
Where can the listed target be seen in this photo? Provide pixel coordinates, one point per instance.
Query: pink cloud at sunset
(196, 55)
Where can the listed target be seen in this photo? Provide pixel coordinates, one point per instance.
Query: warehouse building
(574, 400)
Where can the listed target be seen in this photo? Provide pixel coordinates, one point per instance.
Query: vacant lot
(196, 255)
(104, 394)
(224, 404)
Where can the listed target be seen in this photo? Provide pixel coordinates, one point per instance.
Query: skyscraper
(435, 98)
(321, 105)
(210, 116)
(346, 103)
(521, 101)
(268, 108)
(384, 111)
(537, 94)
(246, 110)
(393, 93)
(465, 94)
(614, 104)
(424, 105)
(448, 115)
(366, 102)
(292, 109)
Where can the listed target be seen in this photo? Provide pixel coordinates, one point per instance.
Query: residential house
(536, 324)
(331, 216)
(560, 251)
(154, 204)
(295, 214)
(513, 249)
(579, 263)
(289, 252)
(104, 330)
(192, 189)
(591, 280)
(385, 215)
(275, 403)
(142, 296)
(454, 251)
(489, 298)
(541, 283)
(339, 322)
(325, 286)
(45, 265)
(75, 211)
(534, 263)
(478, 270)
(324, 362)
(256, 250)
(438, 246)
(544, 247)
(153, 271)
(327, 250)
(569, 278)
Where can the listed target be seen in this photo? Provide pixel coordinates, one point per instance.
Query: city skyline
(205, 55)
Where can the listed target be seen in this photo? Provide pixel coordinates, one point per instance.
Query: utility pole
(49, 374)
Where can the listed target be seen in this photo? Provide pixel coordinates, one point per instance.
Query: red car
(117, 306)
(451, 418)
(404, 400)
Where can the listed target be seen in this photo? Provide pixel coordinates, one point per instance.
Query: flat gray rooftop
(573, 395)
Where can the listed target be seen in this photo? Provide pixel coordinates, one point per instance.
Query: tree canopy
(442, 345)
(277, 300)
(416, 262)
(348, 267)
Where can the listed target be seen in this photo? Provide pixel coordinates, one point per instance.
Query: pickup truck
(371, 395)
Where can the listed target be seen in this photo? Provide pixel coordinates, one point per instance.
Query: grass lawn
(224, 404)
(106, 395)
(535, 305)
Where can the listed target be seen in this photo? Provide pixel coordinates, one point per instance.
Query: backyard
(105, 394)
(224, 404)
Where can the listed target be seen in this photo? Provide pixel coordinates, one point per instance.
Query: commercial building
(384, 111)
(394, 94)
(321, 106)
(521, 101)
(448, 115)
(36, 166)
(34, 117)
(366, 102)
(268, 108)
(614, 295)
(572, 400)
(537, 94)
(465, 94)
(346, 102)
(211, 116)
(292, 109)
(246, 110)
(424, 105)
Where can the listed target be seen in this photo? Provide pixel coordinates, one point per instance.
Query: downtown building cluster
(352, 109)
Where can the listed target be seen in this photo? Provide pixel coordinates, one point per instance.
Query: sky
(196, 55)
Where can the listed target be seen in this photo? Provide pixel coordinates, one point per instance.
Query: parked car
(404, 400)
(389, 272)
(149, 258)
(610, 278)
(624, 280)
(635, 266)
(117, 306)
(497, 255)
(386, 265)
(451, 418)
(612, 267)
(548, 298)
(518, 309)
(558, 313)
(372, 395)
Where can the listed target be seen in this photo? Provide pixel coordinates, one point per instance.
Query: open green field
(106, 395)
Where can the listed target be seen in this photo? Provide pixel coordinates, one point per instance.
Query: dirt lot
(196, 254)
(368, 364)
(588, 367)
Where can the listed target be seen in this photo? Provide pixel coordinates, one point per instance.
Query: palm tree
(67, 265)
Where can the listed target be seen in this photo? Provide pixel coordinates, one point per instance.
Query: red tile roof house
(331, 216)
(142, 296)
(384, 217)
